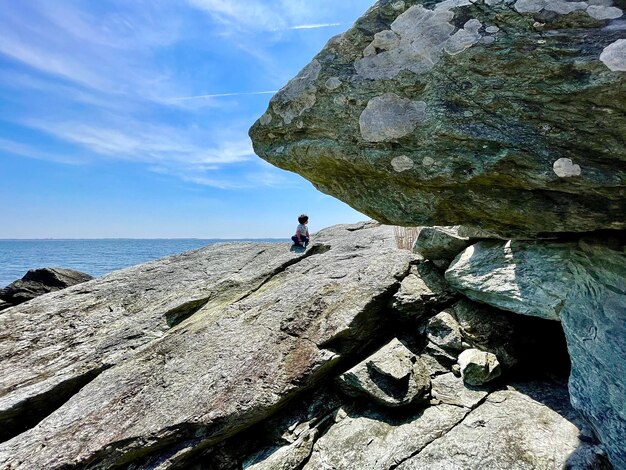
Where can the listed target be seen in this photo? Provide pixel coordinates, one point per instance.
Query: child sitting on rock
(301, 238)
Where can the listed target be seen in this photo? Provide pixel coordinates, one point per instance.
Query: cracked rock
(444, 331)
(527, 428)
(393, 376)
(448, 388)
(582, 284)
(371, 440)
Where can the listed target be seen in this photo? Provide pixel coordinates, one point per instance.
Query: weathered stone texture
(393, 376)
(266, 324)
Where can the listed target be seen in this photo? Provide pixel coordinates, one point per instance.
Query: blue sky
(129, 118)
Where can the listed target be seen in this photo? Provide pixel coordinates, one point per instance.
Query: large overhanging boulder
(507, 115)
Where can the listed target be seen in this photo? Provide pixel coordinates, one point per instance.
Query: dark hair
(303, 218)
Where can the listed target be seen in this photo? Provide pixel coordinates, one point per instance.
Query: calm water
(95, 257)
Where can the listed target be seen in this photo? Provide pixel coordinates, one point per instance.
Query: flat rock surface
(449, 389)
(583, 284)
(195, 346)
(448, 112)
(369, 440)
(530, 428)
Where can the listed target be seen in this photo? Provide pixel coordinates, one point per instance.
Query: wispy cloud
(128, 81)
(268, 15)
(24, 150)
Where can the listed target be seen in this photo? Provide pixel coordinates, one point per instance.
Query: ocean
(95, 257)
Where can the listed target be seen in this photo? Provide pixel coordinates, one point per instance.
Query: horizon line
(138, 238)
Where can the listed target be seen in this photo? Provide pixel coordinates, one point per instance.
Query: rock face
(37, 282)
(239, 355)
(450, 112)
(180, 353)
(583, 285)
(423, 292)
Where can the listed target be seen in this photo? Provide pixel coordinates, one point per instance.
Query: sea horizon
(95, 256)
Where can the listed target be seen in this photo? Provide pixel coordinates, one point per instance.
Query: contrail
(221, 95)
(313, 26)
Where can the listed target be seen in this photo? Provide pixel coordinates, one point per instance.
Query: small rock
(37, 282)
(393, 376)
(424, 291)
(478, 367)
(440, 242)
(444, 331)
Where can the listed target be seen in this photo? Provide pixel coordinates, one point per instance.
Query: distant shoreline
(140, 239)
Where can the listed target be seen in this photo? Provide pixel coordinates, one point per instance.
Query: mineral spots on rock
(402, 163)
(388, 117)
(464, 38)
(565, 168)
(266, 119)
(596, 10)
(333, 83)
(416, 42)
(600, 12)
(614, 56)
(298, 95)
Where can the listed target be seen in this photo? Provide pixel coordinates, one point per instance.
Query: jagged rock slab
(527, 429)
(585, 286)
(423, 292)
(444, 331)
(371, 440)
(452, 112)
(393, 376)
(4, 305)
(37, 282)
(272, 324)
(53, 345)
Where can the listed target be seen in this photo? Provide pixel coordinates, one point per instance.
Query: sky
(129, 118)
